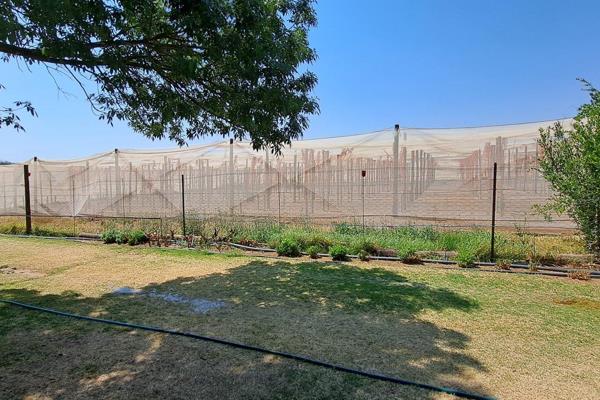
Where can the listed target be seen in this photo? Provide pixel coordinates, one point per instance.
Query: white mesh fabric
(414, 175)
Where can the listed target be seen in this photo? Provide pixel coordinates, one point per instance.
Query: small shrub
(363, 255)
(109, 236)
(339, 253)
(137, 237)
(580, 274)
(288, 247)
(465, 259)
(121, 237)
(503, 265)
(313, 252)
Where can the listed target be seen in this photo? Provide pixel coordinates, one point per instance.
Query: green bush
(288, 247)
(339, 252)
(137, 237)
(313, 252)
(121, 237)
(109, 236)
(363, 255)
(465, 259)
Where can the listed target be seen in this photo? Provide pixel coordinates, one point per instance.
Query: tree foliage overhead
(179, 69)
(570, 161)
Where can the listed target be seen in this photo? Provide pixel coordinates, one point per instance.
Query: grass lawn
(505, 335)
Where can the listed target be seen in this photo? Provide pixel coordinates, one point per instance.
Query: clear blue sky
(417, 63)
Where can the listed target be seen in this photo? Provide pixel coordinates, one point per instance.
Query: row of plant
(407, 243)
(131, 237)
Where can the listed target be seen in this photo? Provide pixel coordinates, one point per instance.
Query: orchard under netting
(396, 176)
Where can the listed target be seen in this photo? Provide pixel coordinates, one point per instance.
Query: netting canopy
(411, 176)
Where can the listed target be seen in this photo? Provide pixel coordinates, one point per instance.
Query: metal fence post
(278, 198)
(27, 200)
(183, 204)
(492, 250)
(363, 174)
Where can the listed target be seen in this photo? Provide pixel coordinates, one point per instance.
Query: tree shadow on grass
(361, 318)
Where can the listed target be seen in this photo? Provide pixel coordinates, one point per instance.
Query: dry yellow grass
(510, 336)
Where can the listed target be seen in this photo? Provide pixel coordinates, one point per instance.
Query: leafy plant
(465, 259)
(121, 237)
(570, 162)
(363, 255)
(339, 253)
(503, 265)
(137, 237)
(175, 69)
(109, 236)
(313, 252)
(579, 274)
(288, 247)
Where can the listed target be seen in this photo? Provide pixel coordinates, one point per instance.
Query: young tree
(177, 68)
(570, 161)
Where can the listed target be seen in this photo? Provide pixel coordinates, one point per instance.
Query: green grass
(446, 327)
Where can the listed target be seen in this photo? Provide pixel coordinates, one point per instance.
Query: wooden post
(27, 200)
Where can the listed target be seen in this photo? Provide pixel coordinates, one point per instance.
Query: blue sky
(417, 63)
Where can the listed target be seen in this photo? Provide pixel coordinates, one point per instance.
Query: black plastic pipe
(296, 357)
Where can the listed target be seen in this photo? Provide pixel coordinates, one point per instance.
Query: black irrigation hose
(300, 358)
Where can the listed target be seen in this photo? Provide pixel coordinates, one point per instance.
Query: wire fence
(388, 178)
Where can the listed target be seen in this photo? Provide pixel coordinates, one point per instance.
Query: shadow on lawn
(362, 318)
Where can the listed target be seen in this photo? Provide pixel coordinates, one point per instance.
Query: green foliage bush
(569, 162)
(339, 252)
(465, 259)
(122, 237)
(313, 251)
(137, 237)
(288, 247)
(109, 236)
(134, 237)
(363, 255)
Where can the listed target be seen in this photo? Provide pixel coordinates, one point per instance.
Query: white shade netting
(413, 176)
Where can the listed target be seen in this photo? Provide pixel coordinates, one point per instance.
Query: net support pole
(492, 250)
(183, 204)
(117, 178)
(27, 200)
(395, 170)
